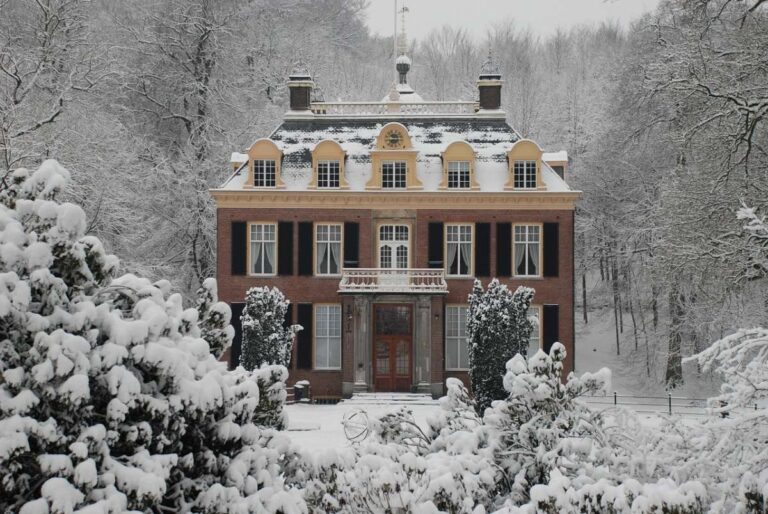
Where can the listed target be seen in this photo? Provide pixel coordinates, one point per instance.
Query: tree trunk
(655, 305)
(674, 376)
(584, 297)
(616, 293)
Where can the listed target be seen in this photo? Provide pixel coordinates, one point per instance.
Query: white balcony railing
(384, 280)
(403, 108)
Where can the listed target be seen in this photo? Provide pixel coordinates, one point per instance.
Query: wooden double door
(392, 347)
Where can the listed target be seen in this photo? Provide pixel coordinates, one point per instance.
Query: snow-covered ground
(319, 427)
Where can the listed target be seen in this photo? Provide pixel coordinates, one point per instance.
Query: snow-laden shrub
(542, 426)
(561, 496)
(214, 318)
(109, 397)
(498, 328)
(265, 339)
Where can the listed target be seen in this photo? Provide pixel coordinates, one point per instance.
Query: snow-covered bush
(265, 339)
(541, 426)
(109, 397)
(214, 318)
(498, 328)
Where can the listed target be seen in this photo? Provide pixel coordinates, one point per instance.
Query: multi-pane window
(327, 249)
(393, 175)
(328, 174)
(525, 174)
(459, 249)
(263, 173)
(527, 250)
(328, 337)
(534, 343)
(393, 246)
(263, 248)
(456, 348)
(458, 174)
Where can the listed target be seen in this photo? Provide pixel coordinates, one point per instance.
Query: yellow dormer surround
(524, 150)
(393, 144)
(459, 151)
(328, 150)
(265, 149)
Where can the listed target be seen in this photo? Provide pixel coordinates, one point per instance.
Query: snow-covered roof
(238, 157)
(552, 180)
(490, 138)
(561, 156)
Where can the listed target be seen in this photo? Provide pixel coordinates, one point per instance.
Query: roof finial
(402, 46)
(490, 68)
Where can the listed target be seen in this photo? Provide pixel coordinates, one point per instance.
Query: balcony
(383, 280)
(394, 108)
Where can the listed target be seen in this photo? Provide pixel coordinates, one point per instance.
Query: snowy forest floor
(596, 348)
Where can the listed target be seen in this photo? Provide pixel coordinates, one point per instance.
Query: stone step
(390, 399)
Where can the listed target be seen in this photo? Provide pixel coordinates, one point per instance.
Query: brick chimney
(489, 85)
(300, 85)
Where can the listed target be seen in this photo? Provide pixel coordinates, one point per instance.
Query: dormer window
(525, 174)
(393, 174)
(328, 173)
(458, 175)
(264, 173)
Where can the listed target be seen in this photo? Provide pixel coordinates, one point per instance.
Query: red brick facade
(315, 290)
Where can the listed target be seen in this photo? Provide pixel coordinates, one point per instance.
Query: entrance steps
(393, 399)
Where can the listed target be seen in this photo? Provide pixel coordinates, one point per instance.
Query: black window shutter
(285, 248)
(550, 326)
(239, 239)
(306, 240)
(551, 249)
(351, 245)
(503, 249)
(482, 249)
(304, 337)
(435, 250)
(237, 341)
(288, 319)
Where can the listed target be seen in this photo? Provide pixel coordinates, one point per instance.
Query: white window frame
(261, 173)
(393, 244)
(263, 241)
(524, 174)
(459, 169)
(527, 242)
(328, 336)
(326, 174)
(536, 311)
(328, 242)
(461, 241)
(397, 166)
(457, 339)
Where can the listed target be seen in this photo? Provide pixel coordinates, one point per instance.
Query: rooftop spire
(490, 68)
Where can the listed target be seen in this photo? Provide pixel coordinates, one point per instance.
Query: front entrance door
(392, 344)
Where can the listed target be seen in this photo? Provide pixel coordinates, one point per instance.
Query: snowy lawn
(314, 427)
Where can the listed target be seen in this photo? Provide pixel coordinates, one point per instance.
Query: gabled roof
(490, 138)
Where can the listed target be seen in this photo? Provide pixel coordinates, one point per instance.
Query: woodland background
(665, 122)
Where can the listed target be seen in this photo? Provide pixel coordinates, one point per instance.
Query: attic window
(393, 175)
(525, 174)
(458, 174)
(263, 173)
(328, 174)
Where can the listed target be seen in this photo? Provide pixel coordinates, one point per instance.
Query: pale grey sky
(541, 16)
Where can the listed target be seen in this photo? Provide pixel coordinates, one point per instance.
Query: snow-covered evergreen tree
(498, 328)
(109, 397)
(214, 318)
(265, 338)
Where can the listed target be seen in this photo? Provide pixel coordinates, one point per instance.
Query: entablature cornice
(537, 200)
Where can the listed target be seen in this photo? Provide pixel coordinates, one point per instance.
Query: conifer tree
(497, 328)
(214, 318)
(265, 338)
(110, 400)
